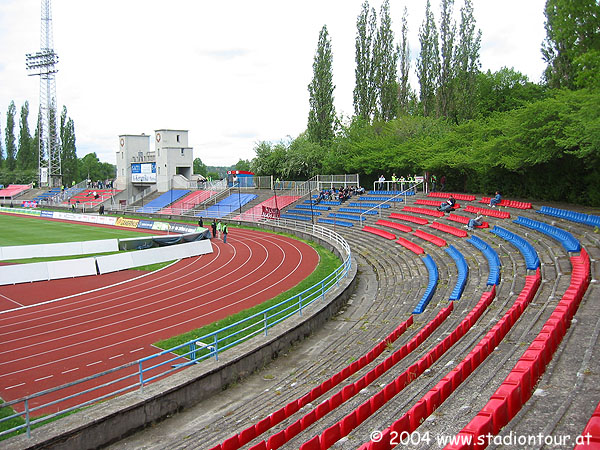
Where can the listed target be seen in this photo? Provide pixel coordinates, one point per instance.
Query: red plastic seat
(276, 441)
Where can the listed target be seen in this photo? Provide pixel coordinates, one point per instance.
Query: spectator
(394, 182)
(474, 222)
(448, 205)
(219, 229)
(496, 200)
(433, 180)
(381, 183)
(213, 225)
(224, 231)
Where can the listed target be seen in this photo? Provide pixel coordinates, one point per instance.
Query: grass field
(25, 230)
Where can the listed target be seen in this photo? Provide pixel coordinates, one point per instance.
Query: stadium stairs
(393, 281)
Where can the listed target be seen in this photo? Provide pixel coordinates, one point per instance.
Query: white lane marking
(43, 378)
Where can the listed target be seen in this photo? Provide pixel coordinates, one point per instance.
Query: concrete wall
(110, 421)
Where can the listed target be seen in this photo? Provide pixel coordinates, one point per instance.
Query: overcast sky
(233, 72)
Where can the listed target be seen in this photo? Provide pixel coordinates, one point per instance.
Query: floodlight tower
(43, 63)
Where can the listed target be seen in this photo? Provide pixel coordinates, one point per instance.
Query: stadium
(422, 330)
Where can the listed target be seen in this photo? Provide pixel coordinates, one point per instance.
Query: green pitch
(15, 230)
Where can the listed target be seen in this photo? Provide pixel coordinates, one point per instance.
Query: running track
(56, 342)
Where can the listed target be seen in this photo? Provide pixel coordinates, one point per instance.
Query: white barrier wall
(52, 270)
(60, 249)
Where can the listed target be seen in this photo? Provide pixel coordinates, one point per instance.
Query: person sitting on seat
(496, 200)
(474, 222)
(448, 205)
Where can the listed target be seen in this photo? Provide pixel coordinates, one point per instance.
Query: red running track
(56, 342)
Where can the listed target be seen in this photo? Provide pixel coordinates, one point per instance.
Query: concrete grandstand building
(169, 165)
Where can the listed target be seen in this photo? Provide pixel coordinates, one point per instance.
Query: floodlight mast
(42, 64)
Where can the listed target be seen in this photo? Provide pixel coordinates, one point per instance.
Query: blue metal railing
(137, 374)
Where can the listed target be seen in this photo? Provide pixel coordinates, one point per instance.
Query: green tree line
(483, 130)
(19, 153)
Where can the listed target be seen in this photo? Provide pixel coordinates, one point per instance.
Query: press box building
(170, 165)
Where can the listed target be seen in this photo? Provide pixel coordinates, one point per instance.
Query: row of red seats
(378, 232)
(508, 203)
(395, 225)
(487, 212)
(407, 218)
(462, 197)
(410, 245)
(255, 430)
(424, 407)
(465, 220)
(517, 388)
(436, 240)
(425, 211)
(591, 431)
(424, 201)
(448, 229)
(343, 427)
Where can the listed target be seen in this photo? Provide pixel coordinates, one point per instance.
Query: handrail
(391, 199)
(124, 378)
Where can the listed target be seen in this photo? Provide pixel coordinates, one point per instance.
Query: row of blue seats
(359, 211)
(303, 212)
(390, 192)
(314, 207)
(344, 216)
(369, 205)
(380, 199)
(295, 217)
(567, 240)
(334, 221)
(532, 261)
(573, 216)
(463, 272)
(325, 202)
(431, 286)
(492, 258)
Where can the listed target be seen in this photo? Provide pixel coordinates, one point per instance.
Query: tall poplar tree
(25, 155)
(572, 30)
(1, 149)
(321, 116)
(445, 95)
(404, 92)
(9, 136)
(364, 95)
(69, 152)
(467, 64)
(385, 62)
(428, 63)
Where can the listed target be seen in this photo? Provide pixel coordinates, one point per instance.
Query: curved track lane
(57, 342)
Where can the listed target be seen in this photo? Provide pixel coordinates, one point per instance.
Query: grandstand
(448, 332)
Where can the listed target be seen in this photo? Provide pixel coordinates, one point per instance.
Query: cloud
(232, 73)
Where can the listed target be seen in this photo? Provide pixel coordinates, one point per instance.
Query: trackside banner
(145, 224)
(179, 228)
(26, 212)
(128, 223)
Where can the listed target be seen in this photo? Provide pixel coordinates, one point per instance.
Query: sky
(234, 73)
